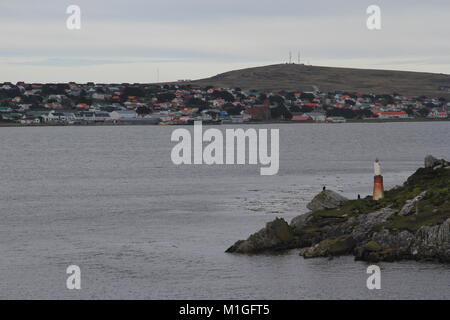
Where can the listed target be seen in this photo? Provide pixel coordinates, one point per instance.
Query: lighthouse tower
(378, 188)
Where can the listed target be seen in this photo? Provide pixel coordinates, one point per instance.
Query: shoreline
(12, 124)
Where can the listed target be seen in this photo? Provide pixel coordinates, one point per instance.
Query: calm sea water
(109, 200)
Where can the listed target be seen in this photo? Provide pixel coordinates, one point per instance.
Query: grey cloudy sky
(128, 41)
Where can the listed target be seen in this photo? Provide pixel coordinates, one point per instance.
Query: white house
(102, 116)
(24, 107)
(315, 116)
(116, 115)
(54, 116)
(98, 96)
(392, 115)
(29, 120)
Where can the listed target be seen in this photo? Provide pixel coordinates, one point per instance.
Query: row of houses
(123, 117)
(181, 103)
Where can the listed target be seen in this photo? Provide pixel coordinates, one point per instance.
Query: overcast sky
(128, 41)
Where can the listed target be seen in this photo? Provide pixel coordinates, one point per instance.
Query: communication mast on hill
(290, 57)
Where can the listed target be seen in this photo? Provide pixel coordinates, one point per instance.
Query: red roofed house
(261, 112)
(301, 118)
(310, 104)
(376, 111)
(82, 106)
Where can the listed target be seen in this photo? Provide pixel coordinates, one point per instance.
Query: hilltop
(299, 77)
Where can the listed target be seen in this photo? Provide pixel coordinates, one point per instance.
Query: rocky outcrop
(434, 163)
(387, 230)
(428, 243)
(433, 242)
(385, 246)
(300, 221)
(329, 248)
(327, 199)
(362, 225)
(276, 235)
(411, 205)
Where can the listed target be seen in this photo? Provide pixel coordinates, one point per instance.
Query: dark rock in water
(326, 200)
(428, 243)
(373, 252)
(432, 242)
(330, 247)
(385, 246)
(275, 236)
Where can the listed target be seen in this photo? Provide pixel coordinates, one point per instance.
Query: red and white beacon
(378, 188)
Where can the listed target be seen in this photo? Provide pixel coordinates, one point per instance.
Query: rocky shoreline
(412, 222)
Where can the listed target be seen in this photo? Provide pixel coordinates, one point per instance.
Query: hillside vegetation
(293, 77)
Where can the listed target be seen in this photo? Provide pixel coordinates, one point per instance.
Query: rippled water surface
(110, 200)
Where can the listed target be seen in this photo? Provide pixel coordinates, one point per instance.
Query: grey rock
(427, 243)
(435, 237)
(276, 235)
(410, 205)
(329, 247)
(361, 226)
(432, 162)
(401, 241)
(327, 199)
(300, 221)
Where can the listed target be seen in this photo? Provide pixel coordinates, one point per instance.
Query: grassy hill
(304, 77)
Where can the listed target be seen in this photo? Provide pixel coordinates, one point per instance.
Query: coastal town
(181, 103)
